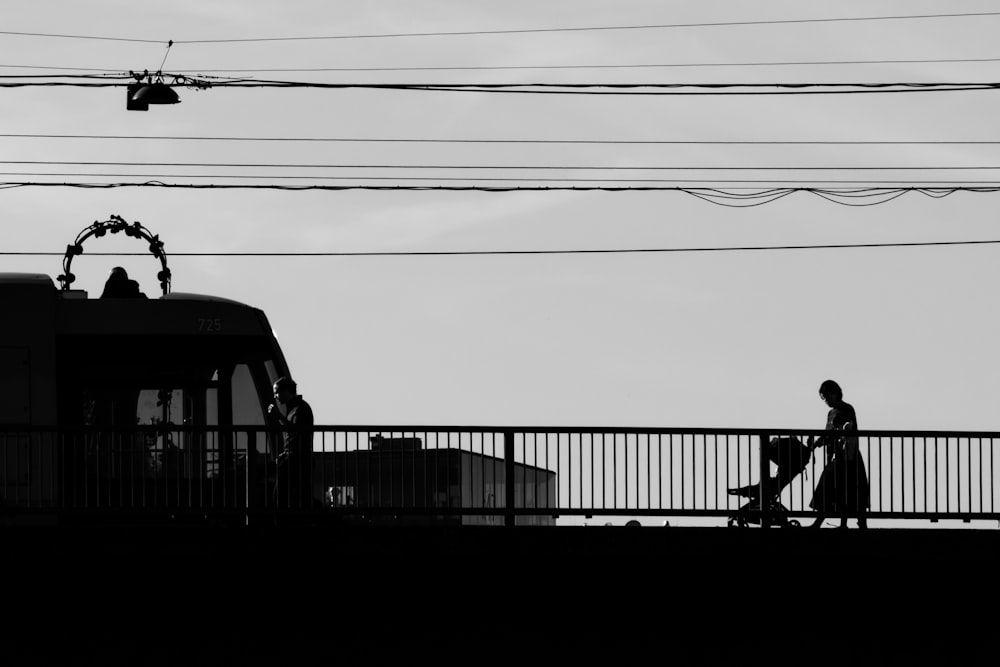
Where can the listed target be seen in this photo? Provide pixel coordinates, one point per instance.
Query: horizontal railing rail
(494, 475)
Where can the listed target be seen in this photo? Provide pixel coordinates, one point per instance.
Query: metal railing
(461, 474)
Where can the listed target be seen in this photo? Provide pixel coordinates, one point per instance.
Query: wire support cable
(593, 66)
(461, 33)
(117, 74)
(75, 68)
(495, 68)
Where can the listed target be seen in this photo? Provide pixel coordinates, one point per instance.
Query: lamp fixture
(155, 91)
(152, 91)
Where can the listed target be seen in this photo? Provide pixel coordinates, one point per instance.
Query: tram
(73, 360)
(124, 404)
(89, 384)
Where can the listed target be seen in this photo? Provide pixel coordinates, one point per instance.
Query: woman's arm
(850, 441)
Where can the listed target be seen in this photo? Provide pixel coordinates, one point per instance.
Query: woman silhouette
(843, 486)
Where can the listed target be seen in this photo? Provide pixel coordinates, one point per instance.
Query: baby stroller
(791, 456)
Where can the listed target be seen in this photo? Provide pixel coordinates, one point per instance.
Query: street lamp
(141, 95)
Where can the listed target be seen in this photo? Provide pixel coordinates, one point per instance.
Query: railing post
(508, 476)
(249, 476)
(765, 483)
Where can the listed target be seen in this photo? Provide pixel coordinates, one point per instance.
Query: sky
(738, 338)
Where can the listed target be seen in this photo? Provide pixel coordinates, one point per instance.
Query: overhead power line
(730, 183)
(724, 192)
(624, 180)
(726, 197)
(485, 68)
(672, 142)
(578, 251)
(802, 88)
(115, 70)
(500, 167)
(33, 79)
(697, 187)
(459, 33)
(636, 88)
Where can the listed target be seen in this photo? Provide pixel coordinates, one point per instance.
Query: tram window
(272, 370)
(247, 410)
(224, 381)
(212, 406)
(163, 453)
(15, 385)
(162, 406)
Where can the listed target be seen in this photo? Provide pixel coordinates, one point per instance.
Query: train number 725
(210, 324)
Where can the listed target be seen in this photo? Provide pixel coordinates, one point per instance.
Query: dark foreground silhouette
(311, 596)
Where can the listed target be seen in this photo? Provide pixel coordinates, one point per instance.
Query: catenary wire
(480, 167)
(144, 137)
(577, 251)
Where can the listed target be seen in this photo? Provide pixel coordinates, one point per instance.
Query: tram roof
(30, 279)
(44, 280)
(175, 313)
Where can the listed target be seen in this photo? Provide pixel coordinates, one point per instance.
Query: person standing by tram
(293, 483)
(120, 286)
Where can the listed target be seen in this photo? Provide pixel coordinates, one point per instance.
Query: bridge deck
(715, 594)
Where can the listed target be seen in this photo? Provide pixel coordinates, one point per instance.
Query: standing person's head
(118, 284)
(831, 392)
(284, 389)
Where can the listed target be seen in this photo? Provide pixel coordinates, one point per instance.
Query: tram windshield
(219, 383)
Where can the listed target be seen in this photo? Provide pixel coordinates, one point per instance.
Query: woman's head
(830, 391)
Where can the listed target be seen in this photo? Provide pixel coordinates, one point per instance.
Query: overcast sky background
(685, 339)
